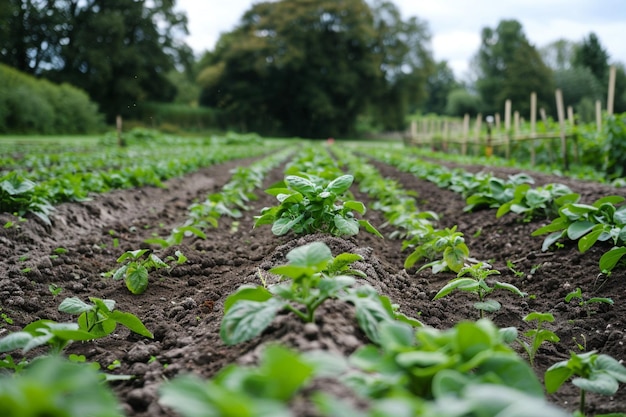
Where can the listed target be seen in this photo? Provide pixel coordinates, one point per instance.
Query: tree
(119, 51)
(590, 54)
(310, 68)
(509, 64)
(438, 87)
(559, 55)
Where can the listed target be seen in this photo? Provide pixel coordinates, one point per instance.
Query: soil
(183, 306)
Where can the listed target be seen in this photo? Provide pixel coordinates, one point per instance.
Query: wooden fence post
(611, 96)
(599, 116)
(561, 112)
(466, 121)
(479, 122)
(507, 128)
(533, 126)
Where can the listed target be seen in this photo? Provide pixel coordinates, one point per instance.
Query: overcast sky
(455, 25)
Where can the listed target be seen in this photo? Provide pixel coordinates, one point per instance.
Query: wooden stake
(466, 120)
(611, 97)
(599, 116)
(533, 125)
(479, 122)
(507, 129)
(561, 112)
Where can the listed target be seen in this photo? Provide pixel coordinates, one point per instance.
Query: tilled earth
(183, 306)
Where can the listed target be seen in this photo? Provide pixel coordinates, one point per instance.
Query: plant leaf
(246, 319)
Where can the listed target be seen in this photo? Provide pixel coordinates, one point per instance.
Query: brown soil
(183, 306)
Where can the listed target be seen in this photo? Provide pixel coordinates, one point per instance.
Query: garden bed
(183, 306)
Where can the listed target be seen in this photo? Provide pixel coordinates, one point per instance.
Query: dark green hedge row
(182, 116)
(37, 106)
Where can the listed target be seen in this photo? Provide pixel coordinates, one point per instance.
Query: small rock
(189, 303)
(311, 331)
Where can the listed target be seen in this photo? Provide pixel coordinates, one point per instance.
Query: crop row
(470, 369)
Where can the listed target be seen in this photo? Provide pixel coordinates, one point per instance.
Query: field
(183, 305)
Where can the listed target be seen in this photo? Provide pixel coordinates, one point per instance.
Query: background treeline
(30, 105)
(291, 68)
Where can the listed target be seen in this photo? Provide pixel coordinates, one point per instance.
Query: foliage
(54, 387)
(243, 391)
(316, 276)
(31, 105)
(510, 68)
(313, 79)
(310, 204)
(590, 54)
(585, 302)
(598, 373)
(19, 195)
(614, 129)
(460, 102)
(537, 335)
(447, 247)
(137, 266)
(118, 51)
(95, 320)
(476, 284)
(588, 224)
(439, 364)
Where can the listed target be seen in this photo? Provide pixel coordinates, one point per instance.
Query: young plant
(538, 335)
(448, 245)
(311, 204)
(476, 284)
(538, 202)
(95, 320)
(237, 391)
(137, 267)
(314, 276)
(585, 303)
(594, 372)
(53, 386)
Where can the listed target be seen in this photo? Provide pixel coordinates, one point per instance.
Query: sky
(455, 25)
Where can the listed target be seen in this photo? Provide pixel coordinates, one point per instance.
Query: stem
(303, 317)
(582, 401)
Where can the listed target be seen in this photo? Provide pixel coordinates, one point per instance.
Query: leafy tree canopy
(119, 51)
(309, 67)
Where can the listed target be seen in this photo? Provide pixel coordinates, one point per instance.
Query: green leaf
(15, 340)
(137, 279)
(246, 319)
(551, 239)
(509, 287)
(557, 225)
(300, 184)
(609, 259)
(340, 185)
(466, 284)
(455, 256)
(611, 366)
(488, 305)
(74, 305)
(369, 228)
(132, 322)
(540, 317)
(247, 292)
(579, 228)
(313, 255)
(556, 376)
(135, 254)
(590, 239)
(121, 271)
(598, 382)
(355, 205)
(346, 226)
(285, 224)
(370, 312)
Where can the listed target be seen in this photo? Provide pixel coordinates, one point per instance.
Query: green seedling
(60, 251)
(577, 296)
(114, 365)
(95, 320)
(594, 372)
(138, 265)
(62, 388)
(512, 268)
(55, 290)
(311, 204)
(5, 318)
(476, 284)
(538, 335)
(314, 276)
(176, 236)
(447, 244)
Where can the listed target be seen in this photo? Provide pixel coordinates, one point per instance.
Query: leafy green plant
(598, 373)
(95, 320)
(19, 195)
(311, 204)
(586, 302)
(315, 276)
(476, 284)
(588, 224)
(55, 289)
(242, 391)
(541, 201)
(431, 363)
(138, 265)
(176, 236)
(447, 244)
(54, 387)
(537, 335)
